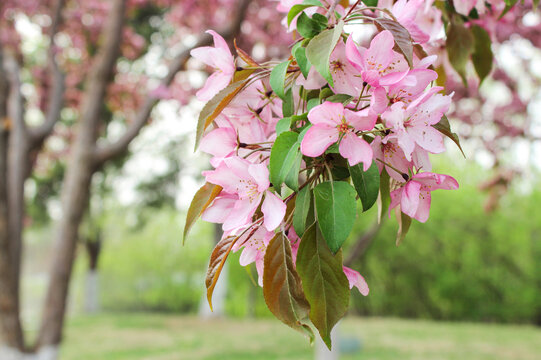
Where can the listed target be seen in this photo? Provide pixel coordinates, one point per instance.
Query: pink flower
(390, 153)
(379, 64)
(356, 279)
(345, 76)
(406, 12)
(246, 185)
(414, 197)
(220, 143)
(331, 122)
(413, 124)
(219, 57)
(254, 248)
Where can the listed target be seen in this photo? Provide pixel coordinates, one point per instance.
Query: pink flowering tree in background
(83, 77)
(352, 114)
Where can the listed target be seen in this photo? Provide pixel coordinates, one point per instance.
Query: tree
(88, 43)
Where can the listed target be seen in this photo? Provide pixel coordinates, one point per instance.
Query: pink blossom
(379, 64)
(331, 122)
(414, 197)
(220, 143)
(406, 12)
(219, 57)
(254, 246)
(356, 279)
(247, 184)
(413, 124)
(346, 78)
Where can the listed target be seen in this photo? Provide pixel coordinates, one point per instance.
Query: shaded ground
(169, 337)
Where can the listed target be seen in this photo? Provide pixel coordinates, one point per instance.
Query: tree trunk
(10, 325)
(76, 187)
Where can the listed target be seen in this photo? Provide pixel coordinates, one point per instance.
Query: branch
(102, 71)
(56, 99)
(362, 243)
(109, 151)
(15, 104)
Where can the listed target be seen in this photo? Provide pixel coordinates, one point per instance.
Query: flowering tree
(353, 113)
(68, 81)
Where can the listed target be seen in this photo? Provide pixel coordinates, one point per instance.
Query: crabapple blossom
(219, 57)
(331, 123)
(414, 196)
(246, 185)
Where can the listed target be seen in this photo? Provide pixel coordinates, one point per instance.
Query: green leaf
(312, 103)
(340, 98)
(482, 56)
(214, 107)
(335, 207)
(325, 285)
(296, 9)
(535, 4)
(384, 199)
(288, 107)
(307, 27)
(319, 50)
(404, 223)
(366, 183)
(322, 19)
(444, 127)
(277, 79)
(282, 287)
(300, 55)
(325, 93)
(508, 6)
(283, 125)
(459, 45)
(372, 3)
(285, 161)
(200, 202)
(402, 37)
(303, 205)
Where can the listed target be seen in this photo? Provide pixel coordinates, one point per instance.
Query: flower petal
(317, 139)
(410, 198)
(328, 113)
(356, 150)
(356, 279)
(274, 210)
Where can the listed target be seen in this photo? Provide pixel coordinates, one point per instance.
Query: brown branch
(109, 151)
(362, 243)
(56, 98)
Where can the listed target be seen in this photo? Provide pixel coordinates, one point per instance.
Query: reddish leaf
(215, 106)
(216, 264)
(200, 202)
(282, 287)
(402, 38)
(245, 56)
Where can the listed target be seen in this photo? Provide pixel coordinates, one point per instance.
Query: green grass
(170, 337)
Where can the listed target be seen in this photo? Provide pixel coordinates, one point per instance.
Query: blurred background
(97, 171)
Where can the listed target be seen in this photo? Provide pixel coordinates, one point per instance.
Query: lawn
(170, 337)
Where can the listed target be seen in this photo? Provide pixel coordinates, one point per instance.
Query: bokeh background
(464, 285)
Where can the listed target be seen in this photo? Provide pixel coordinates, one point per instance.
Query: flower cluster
(295, 144)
